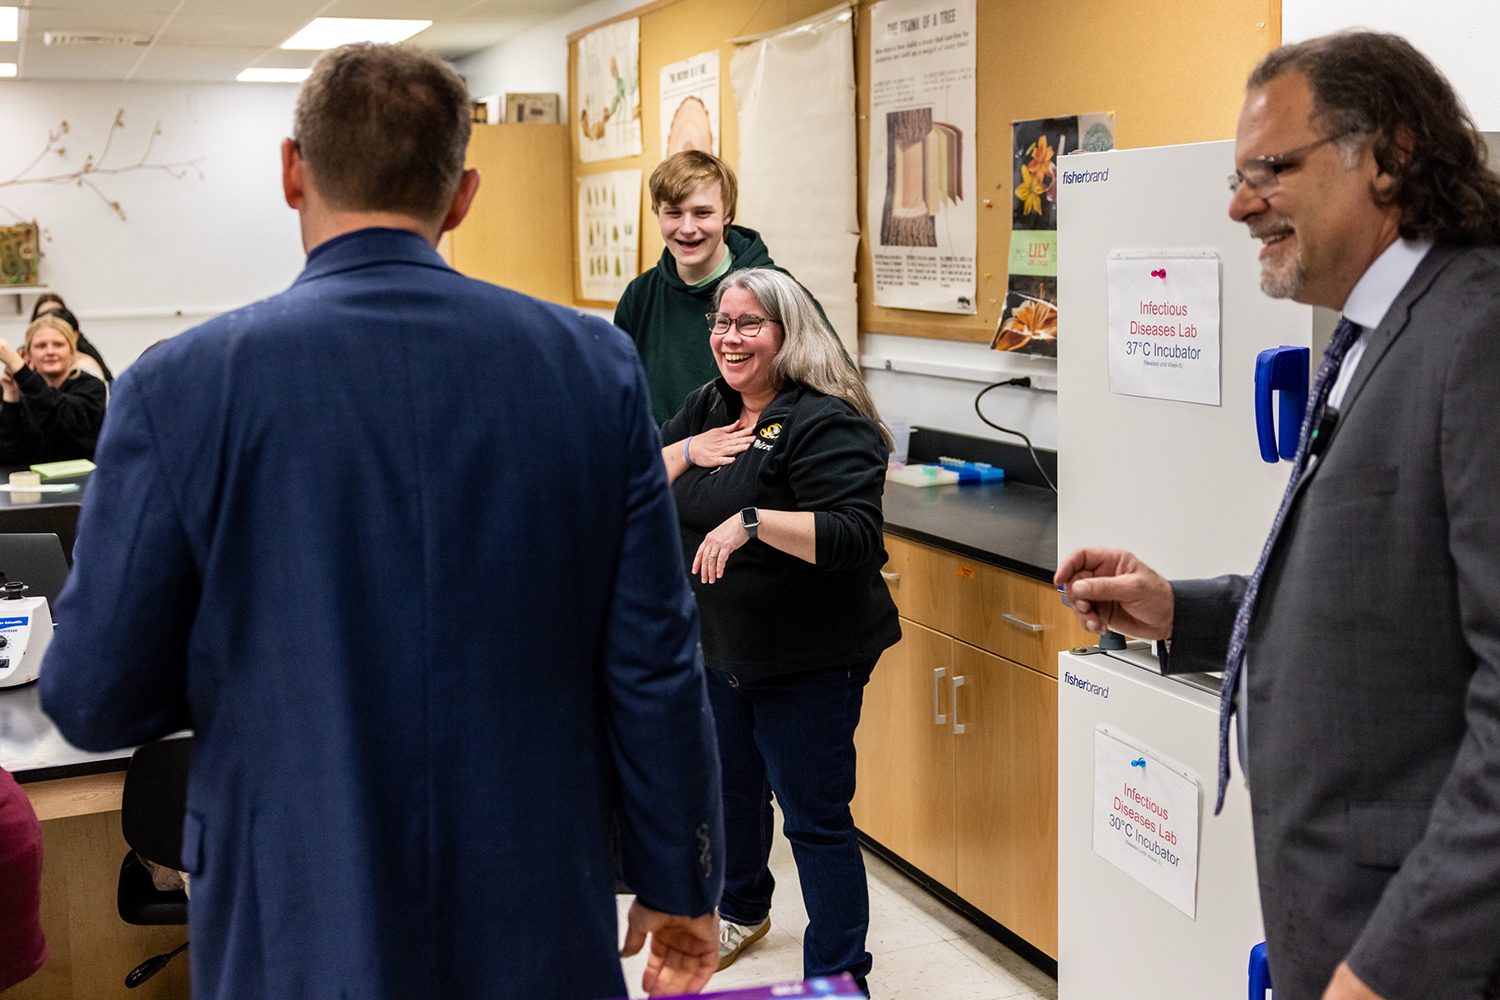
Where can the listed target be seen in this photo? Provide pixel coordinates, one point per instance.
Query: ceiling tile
(214, 39)
(214, 30)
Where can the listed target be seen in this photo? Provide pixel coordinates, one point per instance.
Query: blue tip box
(973, 472)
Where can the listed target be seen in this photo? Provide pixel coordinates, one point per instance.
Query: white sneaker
(735, 938)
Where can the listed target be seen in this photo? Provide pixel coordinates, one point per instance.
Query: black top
(772, 613)
(86, 347)
(51, 425)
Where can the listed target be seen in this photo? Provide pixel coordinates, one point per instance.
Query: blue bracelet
(686, 456)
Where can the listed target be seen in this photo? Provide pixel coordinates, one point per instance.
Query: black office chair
(151, 812)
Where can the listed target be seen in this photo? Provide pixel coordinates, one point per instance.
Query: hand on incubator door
(1112, 589)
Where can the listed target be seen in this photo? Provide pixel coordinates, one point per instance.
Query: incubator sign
(1146, 820)
(1164, 325)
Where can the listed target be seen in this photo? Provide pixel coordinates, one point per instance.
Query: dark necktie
(1344, 336)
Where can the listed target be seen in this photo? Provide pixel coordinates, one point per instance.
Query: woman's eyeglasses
(748, 325)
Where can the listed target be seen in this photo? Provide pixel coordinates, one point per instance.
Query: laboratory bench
(76, 795)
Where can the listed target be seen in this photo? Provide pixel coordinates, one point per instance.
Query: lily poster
(1028, 323)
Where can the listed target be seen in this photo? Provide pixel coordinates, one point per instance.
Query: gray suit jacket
(1374, 664)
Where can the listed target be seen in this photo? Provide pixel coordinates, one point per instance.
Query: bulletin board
(1172, 72)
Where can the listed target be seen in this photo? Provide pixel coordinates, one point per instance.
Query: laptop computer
(36, 560)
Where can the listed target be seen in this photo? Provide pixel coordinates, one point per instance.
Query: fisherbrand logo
(1084, 684)
(1085, 176)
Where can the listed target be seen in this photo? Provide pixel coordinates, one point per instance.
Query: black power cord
(1024, 382)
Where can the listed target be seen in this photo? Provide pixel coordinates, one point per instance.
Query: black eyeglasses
(1263, 173)
(749, 325)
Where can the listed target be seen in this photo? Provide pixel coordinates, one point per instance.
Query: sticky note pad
(55, 470)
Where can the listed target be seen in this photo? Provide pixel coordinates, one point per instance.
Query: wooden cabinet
(519, 230)
(905, 788)
(1010, 615)
(1006, 780)
(91, 947)
(957, 742)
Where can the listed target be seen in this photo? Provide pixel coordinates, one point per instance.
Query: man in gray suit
(1364, 651)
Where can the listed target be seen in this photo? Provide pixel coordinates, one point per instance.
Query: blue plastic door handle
(1260, 972)
(1283, 370)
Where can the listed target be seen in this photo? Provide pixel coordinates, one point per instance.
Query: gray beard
(1283, 283)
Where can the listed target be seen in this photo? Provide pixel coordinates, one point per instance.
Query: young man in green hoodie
(693, 195)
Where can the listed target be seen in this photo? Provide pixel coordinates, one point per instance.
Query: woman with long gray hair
(778, 467)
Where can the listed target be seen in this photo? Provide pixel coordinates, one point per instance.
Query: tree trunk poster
(922, 144)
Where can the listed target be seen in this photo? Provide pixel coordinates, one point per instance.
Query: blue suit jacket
(398, 546)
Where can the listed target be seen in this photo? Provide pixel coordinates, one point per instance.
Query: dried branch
(53, 138)
(93, 166)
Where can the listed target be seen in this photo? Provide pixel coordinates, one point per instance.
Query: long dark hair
(1377, 87)
(46, 299)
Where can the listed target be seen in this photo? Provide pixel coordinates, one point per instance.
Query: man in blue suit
(398, 547)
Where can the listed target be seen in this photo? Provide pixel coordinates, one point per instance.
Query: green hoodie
(664, 316)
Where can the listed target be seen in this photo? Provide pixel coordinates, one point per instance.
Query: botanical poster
(609, 238)
(690, 105)
(1028, 323)
(609, 92)
(922, 116)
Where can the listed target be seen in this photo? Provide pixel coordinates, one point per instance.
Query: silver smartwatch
(750, 520)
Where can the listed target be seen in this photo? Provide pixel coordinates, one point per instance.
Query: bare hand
(8, 388)
(1112, 589)
(719, 445)
(684, 950)
(10, 358)
(713, 554)
(1345, 985)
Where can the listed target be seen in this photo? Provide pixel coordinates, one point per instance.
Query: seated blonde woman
(89, 357)
(51, 410)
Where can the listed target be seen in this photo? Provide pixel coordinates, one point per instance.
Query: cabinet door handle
(889, 577)
(1022, 623)
(938, 718)
(958, 727)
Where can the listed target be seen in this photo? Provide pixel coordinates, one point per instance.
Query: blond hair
(52, 321)
(680, 174)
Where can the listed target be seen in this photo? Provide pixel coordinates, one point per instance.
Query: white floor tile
(986, 951)
(922, 949)
(939, 970)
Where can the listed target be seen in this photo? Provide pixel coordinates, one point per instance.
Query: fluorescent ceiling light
(331, 32)
(272, 74)
(9, 24)
(7, 69)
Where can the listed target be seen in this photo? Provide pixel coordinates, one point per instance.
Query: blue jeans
(794, 735)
